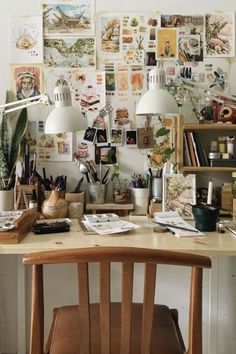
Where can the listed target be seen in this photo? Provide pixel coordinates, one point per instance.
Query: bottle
(33, 203)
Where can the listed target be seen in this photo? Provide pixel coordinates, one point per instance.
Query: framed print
(116, 137)
(220, 34)
(105, 154)
(179, 194)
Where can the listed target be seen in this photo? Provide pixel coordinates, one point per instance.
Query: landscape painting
(68, 18)
(72, 52)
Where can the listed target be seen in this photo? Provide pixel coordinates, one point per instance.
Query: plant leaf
(20, 129)
(162, 131)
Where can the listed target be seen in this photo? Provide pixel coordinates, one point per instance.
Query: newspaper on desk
(113, 224)
(176, 224)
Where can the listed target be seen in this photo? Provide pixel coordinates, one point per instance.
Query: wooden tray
(22, 226)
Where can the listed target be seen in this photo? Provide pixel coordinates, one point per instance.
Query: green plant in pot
(12, 132)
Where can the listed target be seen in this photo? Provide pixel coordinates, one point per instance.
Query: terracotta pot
(54, 207)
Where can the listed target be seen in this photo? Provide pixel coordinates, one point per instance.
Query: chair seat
(65, 331)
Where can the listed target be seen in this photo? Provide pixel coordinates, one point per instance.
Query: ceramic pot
(54, 207)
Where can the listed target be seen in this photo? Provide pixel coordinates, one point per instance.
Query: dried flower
(161, 150)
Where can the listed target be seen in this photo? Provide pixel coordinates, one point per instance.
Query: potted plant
(10, 145)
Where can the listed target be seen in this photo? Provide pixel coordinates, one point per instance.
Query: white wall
(224, 296)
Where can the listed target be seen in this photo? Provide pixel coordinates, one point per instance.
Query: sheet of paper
(111, 227)
(172, 218)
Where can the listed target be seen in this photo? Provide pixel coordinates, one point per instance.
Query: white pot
(7, 200)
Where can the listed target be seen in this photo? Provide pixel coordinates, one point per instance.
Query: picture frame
(179, 194)
(106, 155)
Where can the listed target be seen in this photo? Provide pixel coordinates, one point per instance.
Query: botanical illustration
(68, 18)
(26, 39)
(70, 52)
(110, 34)
(220, 35)
(179, 193)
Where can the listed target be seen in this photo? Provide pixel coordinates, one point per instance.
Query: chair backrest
(128, 256)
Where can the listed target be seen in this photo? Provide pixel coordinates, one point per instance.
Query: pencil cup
(140, 198)
(97, 193)
(7, 200)
(205, 217)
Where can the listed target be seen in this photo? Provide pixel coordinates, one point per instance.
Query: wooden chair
(114, 328)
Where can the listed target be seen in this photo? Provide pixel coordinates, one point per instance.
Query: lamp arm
(208, 93)
(27, 102)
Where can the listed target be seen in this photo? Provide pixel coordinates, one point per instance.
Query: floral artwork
(179, 194)
(220, 35)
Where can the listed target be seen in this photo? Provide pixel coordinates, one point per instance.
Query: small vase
(54, 207)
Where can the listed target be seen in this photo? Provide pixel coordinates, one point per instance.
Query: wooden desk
(213, 244)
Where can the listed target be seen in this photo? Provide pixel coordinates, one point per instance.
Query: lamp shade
(157, 100)
(64, 117)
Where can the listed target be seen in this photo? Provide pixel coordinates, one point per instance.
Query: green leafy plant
(11, 136)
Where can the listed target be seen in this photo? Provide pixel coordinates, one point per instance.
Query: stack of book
(194, 154)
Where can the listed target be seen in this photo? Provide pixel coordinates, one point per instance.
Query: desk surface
(213, 243)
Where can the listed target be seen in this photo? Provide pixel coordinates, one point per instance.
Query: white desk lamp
(63, 118)
(157, 100)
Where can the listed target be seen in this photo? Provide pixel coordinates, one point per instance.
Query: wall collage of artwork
(105, 58)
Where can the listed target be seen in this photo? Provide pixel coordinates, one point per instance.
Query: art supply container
(140, 198)
(205, 217)
(7, 200)
(97, 193)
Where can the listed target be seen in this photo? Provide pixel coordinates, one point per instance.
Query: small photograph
(90, 135)
(106, 155)
(102, 139)
(131, 138)
(150, 59)
(116, 137)
(179, 194)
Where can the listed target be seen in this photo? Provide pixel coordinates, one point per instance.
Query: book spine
(187, 157)
(200, 152)
(195, 150)
(191, 149)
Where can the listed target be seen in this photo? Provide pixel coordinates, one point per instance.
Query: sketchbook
(176, 224)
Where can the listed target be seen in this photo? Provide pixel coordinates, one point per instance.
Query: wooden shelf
(207, 169)
(211, 126)
(94, 207)
(208, 127)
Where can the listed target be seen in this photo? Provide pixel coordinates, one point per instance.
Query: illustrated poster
(26, 35)
(68, 17)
